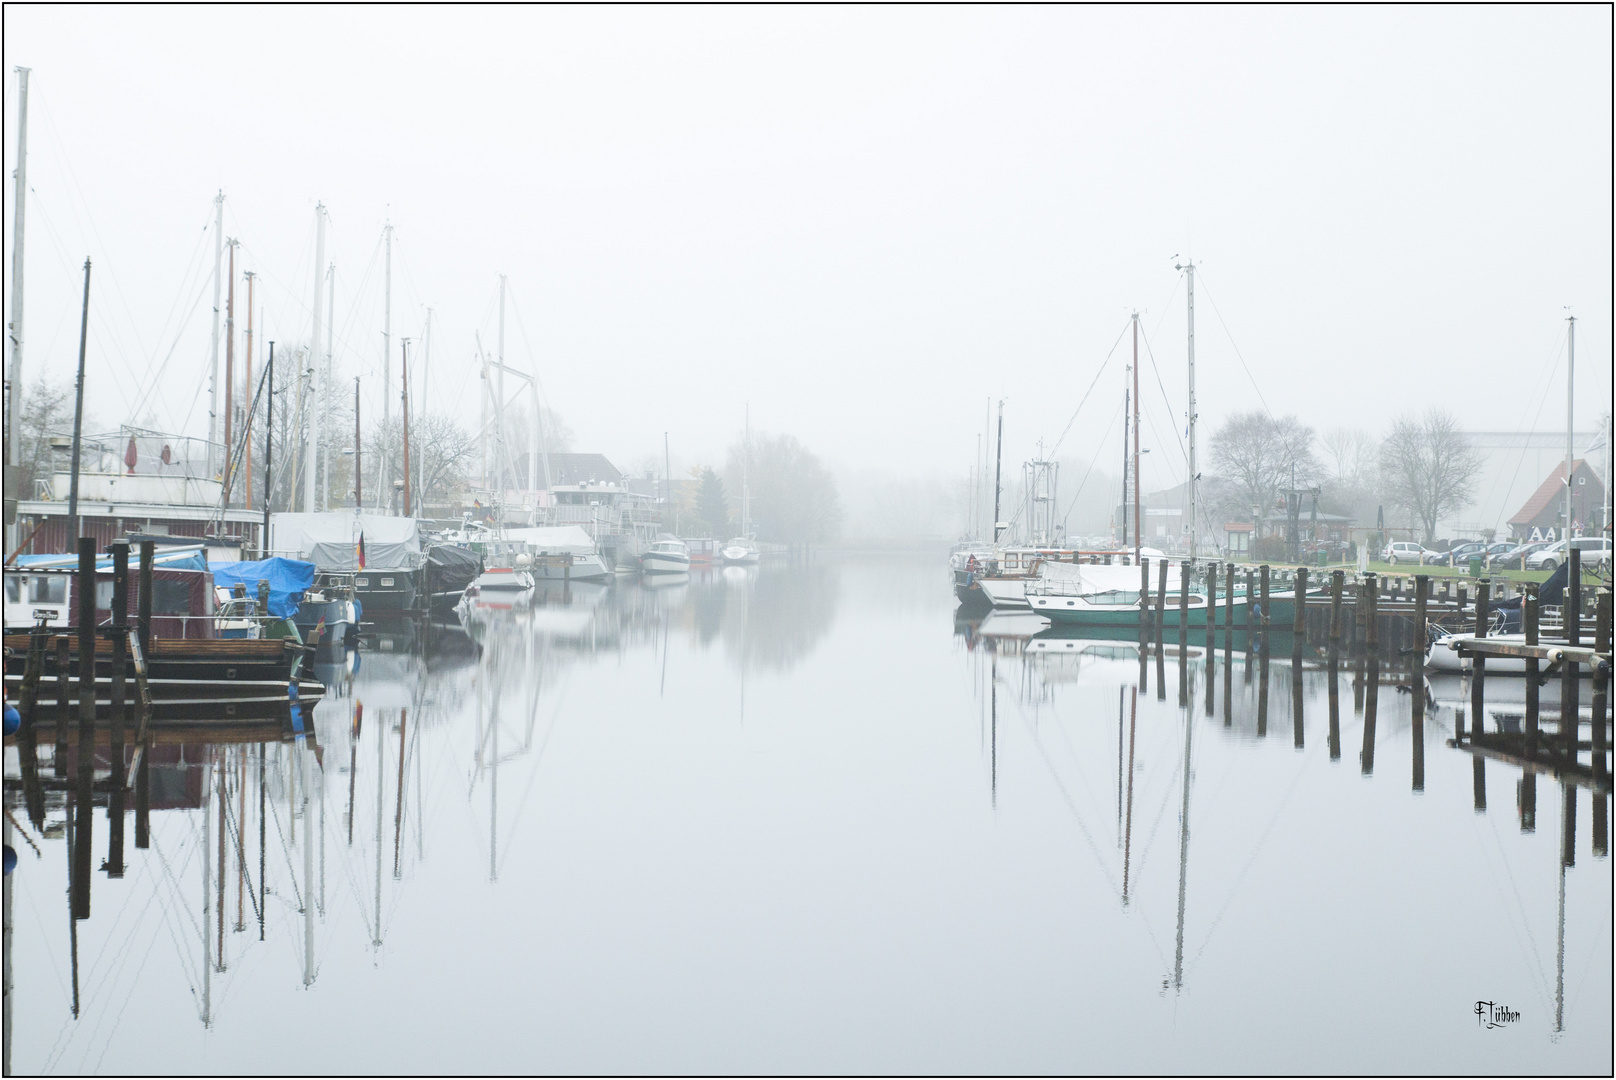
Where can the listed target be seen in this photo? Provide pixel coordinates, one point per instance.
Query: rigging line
(1100, 371)
(1234, 889)
(1237, 351)
(94, 229)
(95, 312)
(1574, 998)
(1092, 462)
(516, 818)
(1520, 906)
(1067, 798)
(1549, 372)
(163, 368)
(126, 955)
(1165, 401)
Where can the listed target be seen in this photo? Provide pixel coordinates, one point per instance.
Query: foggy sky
(864, 223)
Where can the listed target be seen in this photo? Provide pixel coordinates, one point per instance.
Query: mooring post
(1570, 688)
(1183, 632)
(1161, 631)
(27, 739)
(1228, 613)
(143, 609)
(1211, 633)
(1601, 705)
(1478, 665)
(1144, 623)
(1371, 681)
(1299, 623)
(64, 701)
(85, 749)
(1529, 623)
(1416, 677)
(1337, 580)
(115, 704)
(1568, 831)
(1266, 614)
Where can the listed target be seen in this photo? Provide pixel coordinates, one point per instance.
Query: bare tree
(1428, 467)
(794, 497)
(1258, 456)
(46, 410)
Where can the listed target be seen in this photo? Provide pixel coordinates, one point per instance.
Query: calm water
(803, 819)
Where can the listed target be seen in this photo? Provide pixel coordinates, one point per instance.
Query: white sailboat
(742, 551)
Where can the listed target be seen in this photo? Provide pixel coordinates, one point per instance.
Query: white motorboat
(740, 551)
(1443, 654)
(505, 579)
(667, 555)
(562, 552)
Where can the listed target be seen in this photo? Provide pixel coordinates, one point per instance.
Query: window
(171, 597)
(103, 596)
(47, 589)
(13, 590)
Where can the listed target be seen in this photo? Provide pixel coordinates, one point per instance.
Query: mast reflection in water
(807, 818)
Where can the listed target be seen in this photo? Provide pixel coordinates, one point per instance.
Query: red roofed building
(1543, 516)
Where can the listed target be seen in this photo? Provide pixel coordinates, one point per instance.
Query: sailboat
(742, 551)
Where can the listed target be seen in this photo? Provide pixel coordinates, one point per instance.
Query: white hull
(1008, 593)
(739, 557)
(1443, 655)
(662, 562)
(584, 568)
(504, 579)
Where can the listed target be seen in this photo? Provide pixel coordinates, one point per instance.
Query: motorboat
(562, 553)
(666, 555)
(740, 551)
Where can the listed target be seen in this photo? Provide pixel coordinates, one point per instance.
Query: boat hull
(657, 562)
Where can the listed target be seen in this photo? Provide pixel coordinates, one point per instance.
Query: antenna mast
(1137, 524)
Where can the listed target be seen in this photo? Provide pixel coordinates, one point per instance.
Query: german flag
(360, 550)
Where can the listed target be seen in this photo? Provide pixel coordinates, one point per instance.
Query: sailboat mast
(387, 358)
(247, 385)
(78, 416)
(325, 377)
(404, 413)
(358, 457)
(14, 369)
(269, 452)
(311, 454)
(746, 477)
(213, 361)
(1127, 426)
(1571, 399)
(229, 364)
(998, 474)
(499, 411)
(1137, 525)
(1189, 268)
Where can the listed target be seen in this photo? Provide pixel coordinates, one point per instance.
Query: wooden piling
(1183, 632)
(27, 739)
(1568, 825)
(1416, 678)
(1528, 800)
(1211, 634)
(1570, 686)
(64, 701)
(1601, 706)
(115, 704)
(1144, 623)
(143, 635)
(1478, 665)
(1337, 579)
(82, 851)
(1371, 708)
(1263, 571)
(1161, 631)
(1529, 620)
(1335, 705)
(1478, 782)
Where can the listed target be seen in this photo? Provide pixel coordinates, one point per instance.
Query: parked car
(1458, 554)
(1405, 552)
(1595, 551)
(1512, 559)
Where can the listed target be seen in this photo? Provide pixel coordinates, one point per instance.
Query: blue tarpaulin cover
(288, 578)
(182, 559)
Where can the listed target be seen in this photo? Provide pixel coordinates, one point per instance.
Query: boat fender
(13, 719)
(11, 859)
(1556, 655)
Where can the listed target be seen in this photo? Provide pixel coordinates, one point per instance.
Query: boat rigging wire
(1100, 371)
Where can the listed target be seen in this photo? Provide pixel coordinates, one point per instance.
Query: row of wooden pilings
(130, 647)
(1366, 636)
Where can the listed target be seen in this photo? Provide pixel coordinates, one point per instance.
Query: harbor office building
(1543, 515)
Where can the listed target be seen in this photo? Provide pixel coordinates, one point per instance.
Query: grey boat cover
(331, 541)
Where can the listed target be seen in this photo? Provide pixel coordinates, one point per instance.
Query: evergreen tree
(713, 504)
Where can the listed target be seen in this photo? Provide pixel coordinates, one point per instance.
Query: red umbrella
(130, 456)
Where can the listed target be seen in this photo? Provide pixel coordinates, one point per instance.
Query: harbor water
(810, 818)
